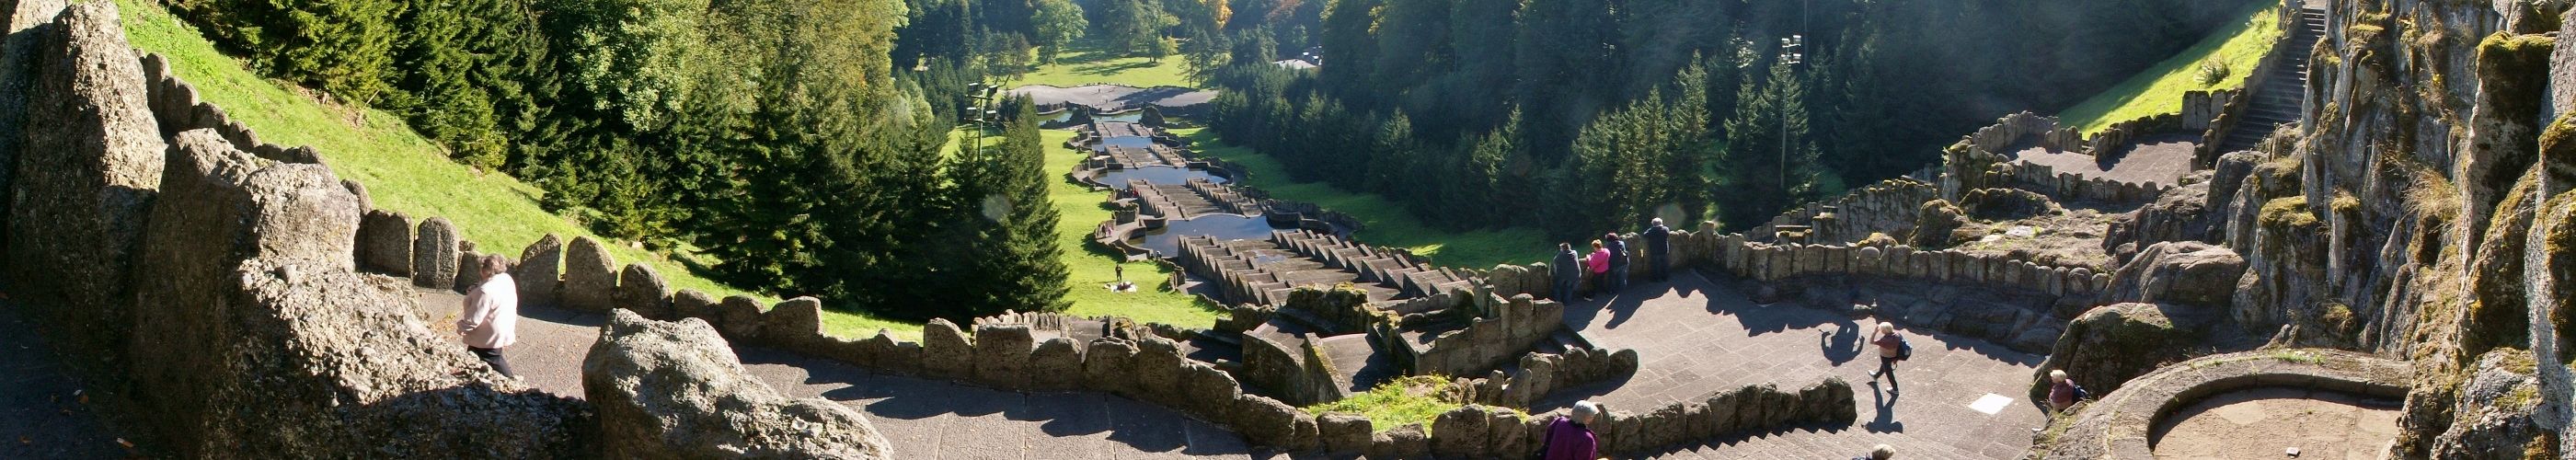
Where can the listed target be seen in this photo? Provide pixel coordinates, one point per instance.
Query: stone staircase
(2278, 101)
(1263, 272)
(1196, 198)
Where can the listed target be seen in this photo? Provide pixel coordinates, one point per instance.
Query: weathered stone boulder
(2187, 272)
(589, 276)
(87, 170)
(1269, 423)
(675, 390)
(1056, 365)
(2494, 412)
(944, 350)
(2109, 345)
(1937, 223)
(1157, 368)
(1460, 432)
(641, 289)
(2002, 204)
(2180, 214)
(1203, 390)
(794, 324)
(1408, 441)
(469, 269)
(689, 303)
(1106, 366)
(384, 243)
(19, 23)
(1343, 433)
(742, 318)
(540, 271)
(1002, 354)
(433, 249)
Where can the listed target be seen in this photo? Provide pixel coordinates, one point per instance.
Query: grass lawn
(402, 171)
(1086, 64)
(1079, 210)
(1387, 223)
(1397, 403)
(2159, 89)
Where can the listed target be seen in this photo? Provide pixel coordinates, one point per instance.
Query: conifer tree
(1771, 162)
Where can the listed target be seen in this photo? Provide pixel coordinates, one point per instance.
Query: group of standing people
(1607, 265)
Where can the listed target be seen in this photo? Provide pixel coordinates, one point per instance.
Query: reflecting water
(1128, 142)
(1165, 175)
(1167, 241)
(1130, 117)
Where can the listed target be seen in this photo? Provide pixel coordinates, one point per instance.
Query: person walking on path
(1891, 348)
(1659, 246)
(1568, 272)
(1600, 265)
(2062, 391)
(490, 322)
(1618, 262)
(1568, 437)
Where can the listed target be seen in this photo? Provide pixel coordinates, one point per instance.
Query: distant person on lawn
(1568, 271)
(1891, 348)
(1618, 262)
(1659, 245)
(490, 321)
(1568, 437)
(1600, 265)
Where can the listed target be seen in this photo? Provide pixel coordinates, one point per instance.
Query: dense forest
(1582, 115)
(783, 140)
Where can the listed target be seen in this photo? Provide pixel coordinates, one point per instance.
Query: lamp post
(1790, 56)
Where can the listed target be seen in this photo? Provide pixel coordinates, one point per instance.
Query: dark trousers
(1663, 267)
(493, 357)
(1619, 276)
(1565, 289)
(1887, 368)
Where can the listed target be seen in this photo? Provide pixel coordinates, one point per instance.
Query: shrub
(2212, 71)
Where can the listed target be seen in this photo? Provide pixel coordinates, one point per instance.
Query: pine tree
(1771, 162)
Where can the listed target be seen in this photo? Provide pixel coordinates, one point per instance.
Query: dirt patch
(2266, 423)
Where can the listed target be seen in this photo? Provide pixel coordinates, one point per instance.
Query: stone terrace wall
(1290, 366)
(1477, 431)
(2117, 426)
(1888, 207)
(1540, 374)
(1500, 330)
(254, 249)
(1772, 263)
(1978, 162)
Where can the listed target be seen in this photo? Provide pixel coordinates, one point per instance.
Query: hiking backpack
(1904, 349)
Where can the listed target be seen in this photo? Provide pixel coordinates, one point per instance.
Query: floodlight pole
(1789, 57)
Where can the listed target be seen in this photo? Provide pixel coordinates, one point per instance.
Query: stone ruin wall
(1501, 329)
(253, 248)
(1978, 162)
(1542, 373)
(1291, 367)
(1889, 207)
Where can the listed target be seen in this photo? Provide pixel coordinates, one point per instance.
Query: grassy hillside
(1085, 64)
(2159, 89)
(1388, 224)
(1093, 268)
(402, 171)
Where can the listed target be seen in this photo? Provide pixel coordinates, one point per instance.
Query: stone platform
(1696, 337)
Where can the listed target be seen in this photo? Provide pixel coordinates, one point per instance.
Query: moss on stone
(2289, 212)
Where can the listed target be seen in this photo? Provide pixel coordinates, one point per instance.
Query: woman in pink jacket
(1600, 264)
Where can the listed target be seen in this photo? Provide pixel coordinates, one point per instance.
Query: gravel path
(41, 413)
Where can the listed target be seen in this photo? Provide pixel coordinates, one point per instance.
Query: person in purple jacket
(1569, 439)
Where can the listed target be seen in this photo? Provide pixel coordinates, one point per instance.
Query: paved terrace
(1697, 337)
(2162, 159)
(927, 419)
